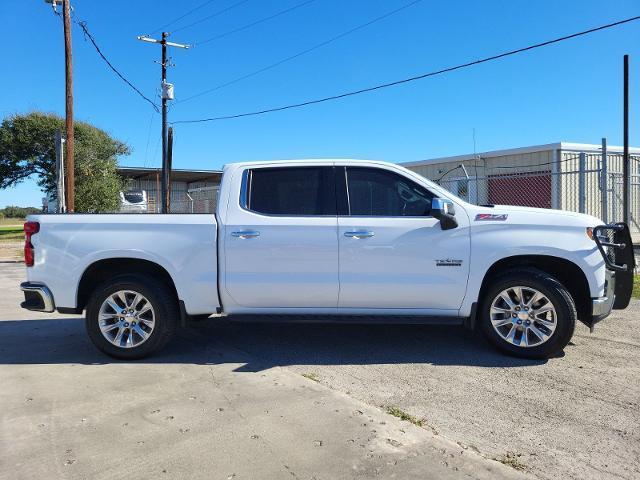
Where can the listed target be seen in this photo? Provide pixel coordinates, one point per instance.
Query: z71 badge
(488, 217)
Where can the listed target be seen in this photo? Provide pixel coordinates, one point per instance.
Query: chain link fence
(578, 182)
(196, 200)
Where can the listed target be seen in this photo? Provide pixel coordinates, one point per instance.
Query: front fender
(492, 243)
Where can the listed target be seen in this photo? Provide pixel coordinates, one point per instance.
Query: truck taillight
(30, 228)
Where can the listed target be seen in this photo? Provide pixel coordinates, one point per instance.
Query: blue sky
(570, 92)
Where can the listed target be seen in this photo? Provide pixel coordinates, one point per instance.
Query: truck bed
(182, 244)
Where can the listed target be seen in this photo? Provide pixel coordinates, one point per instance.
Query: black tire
(547, 285)
(165, 309)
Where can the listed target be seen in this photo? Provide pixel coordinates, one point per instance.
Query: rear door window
(291, 191)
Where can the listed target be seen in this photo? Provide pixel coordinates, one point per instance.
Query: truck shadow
(258, 346)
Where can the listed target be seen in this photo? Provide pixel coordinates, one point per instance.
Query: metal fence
(579, 182)
(196, 200)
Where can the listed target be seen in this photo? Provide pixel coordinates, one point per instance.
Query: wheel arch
(101, 270)
(567, 272)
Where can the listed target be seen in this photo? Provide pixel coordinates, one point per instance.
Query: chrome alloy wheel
(523, 316)
(126, 319)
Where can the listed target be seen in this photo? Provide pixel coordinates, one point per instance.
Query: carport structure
(192, 191)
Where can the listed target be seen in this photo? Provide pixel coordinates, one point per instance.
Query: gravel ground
(575, 417)
(11, 251)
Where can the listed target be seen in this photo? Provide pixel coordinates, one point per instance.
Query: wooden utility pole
(167, 94)
(165, 174)
(68, 68)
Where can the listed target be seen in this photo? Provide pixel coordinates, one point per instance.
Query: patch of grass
(311, 376)
(9, 228)
(11, 234)
(512, 459)
(402, 415)
(636, 286)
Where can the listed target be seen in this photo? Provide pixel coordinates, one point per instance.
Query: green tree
(11, 211)
(27, 149)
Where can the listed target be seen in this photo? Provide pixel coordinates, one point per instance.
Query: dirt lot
(574, 417)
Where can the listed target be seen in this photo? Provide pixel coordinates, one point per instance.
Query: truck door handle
(245, 234)
(359, 234)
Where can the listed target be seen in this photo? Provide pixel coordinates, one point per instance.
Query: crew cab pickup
(340, 240)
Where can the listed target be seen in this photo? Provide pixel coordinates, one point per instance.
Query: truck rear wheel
(131, 316)
(528, 313)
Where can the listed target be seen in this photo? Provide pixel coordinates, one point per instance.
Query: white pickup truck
(342, 240)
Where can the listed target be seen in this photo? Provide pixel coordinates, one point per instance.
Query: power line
(182, 16)
(88, 35)
(155, 153)
(411, 79)
(253, 24)
(299, 54)
(146, 150)
(208, 17)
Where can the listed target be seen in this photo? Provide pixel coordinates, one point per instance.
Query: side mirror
(443, 210)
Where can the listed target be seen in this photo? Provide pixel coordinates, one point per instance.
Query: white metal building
(567, 176)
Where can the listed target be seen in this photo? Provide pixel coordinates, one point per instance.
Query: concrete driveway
(201, 410)
(575, 417)
(229, 400)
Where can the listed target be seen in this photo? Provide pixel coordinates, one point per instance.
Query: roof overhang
(177, 175)
(564, 146)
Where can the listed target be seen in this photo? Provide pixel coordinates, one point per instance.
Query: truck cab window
(291, 191)
(381, 193)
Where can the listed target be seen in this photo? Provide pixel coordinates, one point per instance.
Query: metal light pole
(167, 94)
(625, 160)
(60, 190)
(169, 166)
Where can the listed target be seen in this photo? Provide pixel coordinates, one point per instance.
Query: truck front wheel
(528, 313)
(131, 316)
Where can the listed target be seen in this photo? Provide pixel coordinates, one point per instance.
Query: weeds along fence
(580, 182)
